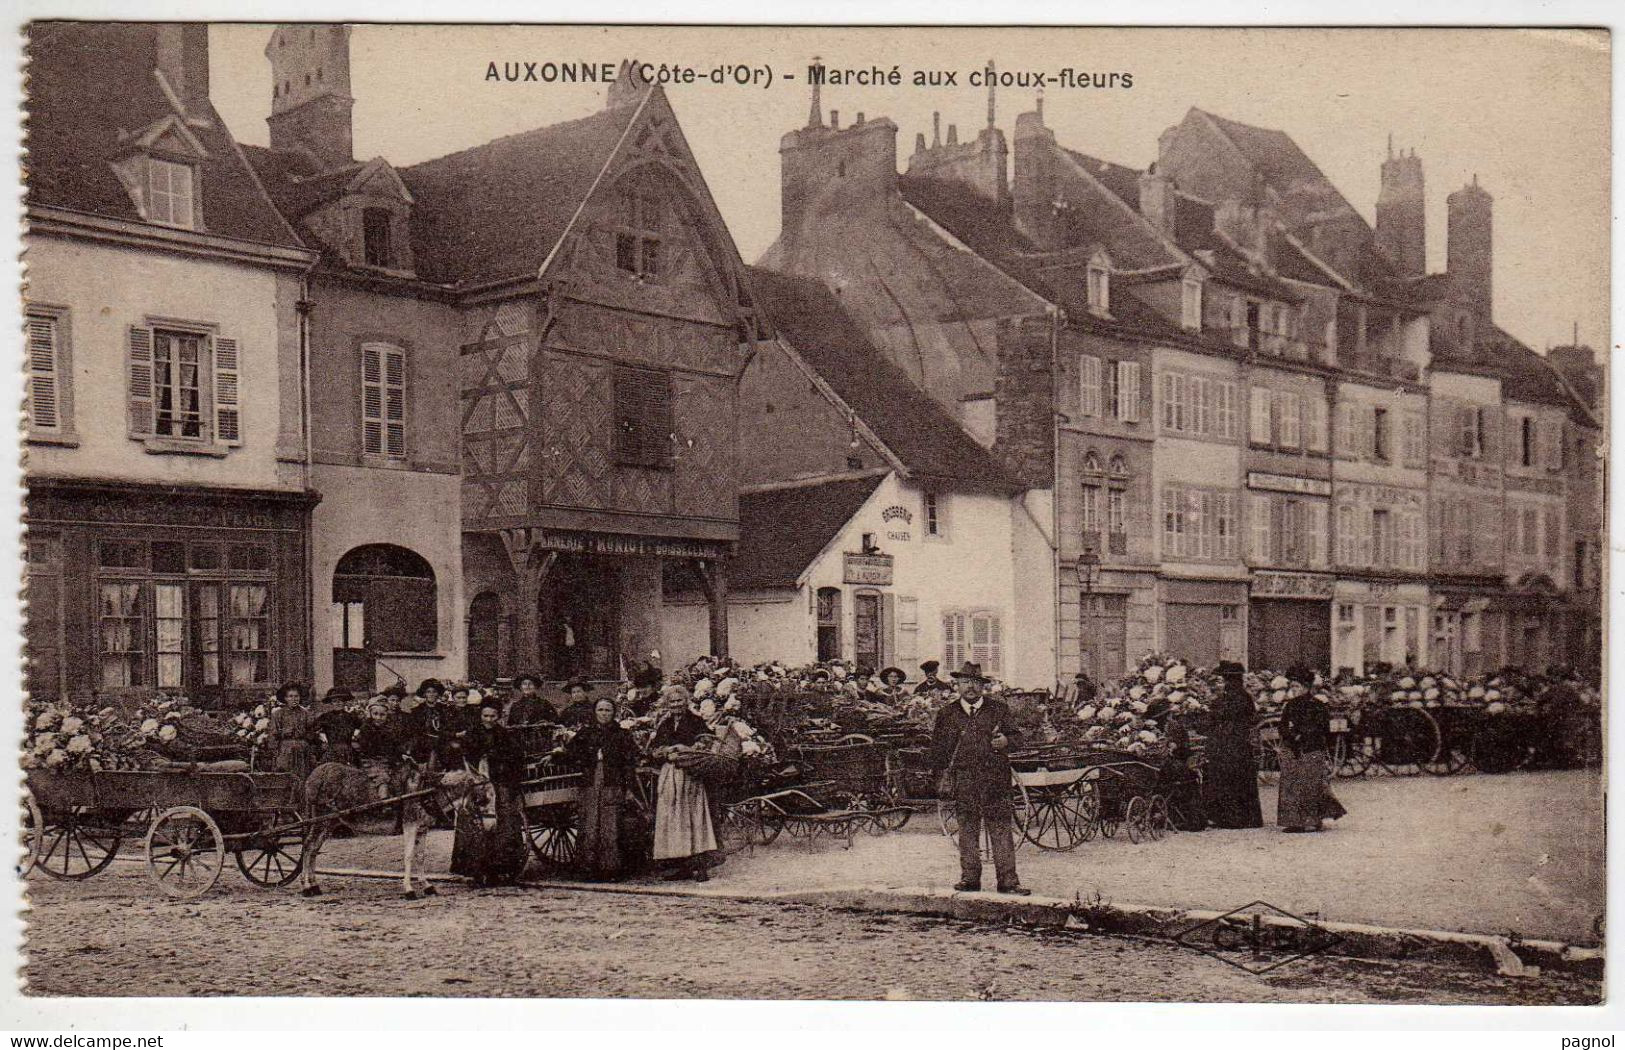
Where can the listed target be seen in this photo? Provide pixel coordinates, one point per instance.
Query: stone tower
(310, 93)
(1401, 218)
(1469, 249)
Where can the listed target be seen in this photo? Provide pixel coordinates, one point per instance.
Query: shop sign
(874, 570)
(1291, 585)
(896, 513)
(606, 543)
(1257, 479)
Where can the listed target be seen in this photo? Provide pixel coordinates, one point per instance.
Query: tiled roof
(292, 180)
(90, 84)
(1272, 153)
(497, 210)
(918, 432)
(1122, 180)
(781, 530)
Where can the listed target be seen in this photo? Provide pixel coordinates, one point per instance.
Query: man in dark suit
(969, 743)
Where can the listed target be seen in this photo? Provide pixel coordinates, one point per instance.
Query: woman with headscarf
(607, 757)
(496, 855)
(1305, 798)
(292, 733)
(1230, 785)
(684, 832)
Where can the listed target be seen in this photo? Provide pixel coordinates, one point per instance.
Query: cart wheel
(1353, 758)
(893, 818)
(554, 842)
(185, 852)
(1111, 820)
(74, 845)
(1057, 820)
(948, 817)
(1137, 818)
(742, 825)
(273, 860)
(1267, 744)
(31, 827)
(1160, 823)
(1410, 739)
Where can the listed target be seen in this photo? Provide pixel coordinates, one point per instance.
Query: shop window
(397, 589)
(643, 417)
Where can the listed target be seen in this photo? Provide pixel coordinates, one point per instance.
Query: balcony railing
(1382, 365)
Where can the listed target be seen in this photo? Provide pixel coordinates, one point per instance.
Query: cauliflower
(1495, 708)
(1177, 696)
(167, 733)
(72, 724)
(149, 727)
(260, 712)
(1176, 674)
(56, 758)
(1278, 682)
(262, 724)
(1087, 714)
(1148, 736)
(1407, 683)
(1138, 707)
(1153, 674)
(1137, 693)
(79, 745)
(47, 718)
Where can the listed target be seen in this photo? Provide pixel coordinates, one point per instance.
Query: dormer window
(1099, 286)
(169, 193)
(376, 244)
(637, 244)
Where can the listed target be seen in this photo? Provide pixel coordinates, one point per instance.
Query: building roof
(295, 183)
(92, 86)
(783, 529)
(913, 427)
(497, 210)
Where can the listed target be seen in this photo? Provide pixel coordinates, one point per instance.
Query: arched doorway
(383, 602)
(485, 638)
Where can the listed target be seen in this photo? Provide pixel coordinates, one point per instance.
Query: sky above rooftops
(1524, 110)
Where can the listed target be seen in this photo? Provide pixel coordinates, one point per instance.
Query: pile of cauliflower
(250, 725)
(1132, 712)
(63, 736)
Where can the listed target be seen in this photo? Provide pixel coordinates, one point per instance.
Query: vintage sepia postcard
(808, 513)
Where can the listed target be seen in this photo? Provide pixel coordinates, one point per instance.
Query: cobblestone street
(113, 937)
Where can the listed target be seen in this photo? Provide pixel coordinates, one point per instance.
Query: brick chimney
(183, 59)
(310, 92)
(1401, 219)
(1032, 183)
(1469, 248)
(983, 164)
(1159, 200)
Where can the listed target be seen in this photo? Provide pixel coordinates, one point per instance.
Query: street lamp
(1087, 566)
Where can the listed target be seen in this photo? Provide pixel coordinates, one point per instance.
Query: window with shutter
(1190, 303)
(953, 640)
(139, 385)
(227, 406)
(45, 374)
(1554, 537)
(178, 360)
(1348, 431)
(383, 400)
(1128, 391)
(643, 417)
(1258, 508)
(1314, 422)
(1317, 535)
(986, 645)
(1089, 385)
(1260, 418)
(1289, 420)
(1411, 450)
(1367, 524)
(1348, 542)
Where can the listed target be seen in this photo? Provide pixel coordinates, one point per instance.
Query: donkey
(333, 787)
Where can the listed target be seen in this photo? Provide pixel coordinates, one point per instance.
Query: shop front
(138, 589)
(1289, 621)
(1469, 628)
(1202, 621)
(1379, 622)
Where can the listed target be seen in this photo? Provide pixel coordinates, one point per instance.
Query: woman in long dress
(684, 833)
(1306, 798)
(607, 756)
(1230, 780)
(496, 855)
(292, 733)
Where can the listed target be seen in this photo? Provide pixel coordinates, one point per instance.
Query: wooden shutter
(1368, 527)
(140, 381)
(1089, 385)
(1314, 438)
(953, 640)
(987, 643)
(1554, 536)
(1317, 534)
(1128, 391)
(395, 403)
(372, 400)
(227, 405)
(44, 404)
(1259, 431)
(1259, 509)
(888, 630)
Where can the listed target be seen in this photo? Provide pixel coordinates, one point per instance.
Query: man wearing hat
(420, 726)
(1230, 778)
(968, 749)
(930, 683)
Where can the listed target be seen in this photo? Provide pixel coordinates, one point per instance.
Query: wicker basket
(707, 767)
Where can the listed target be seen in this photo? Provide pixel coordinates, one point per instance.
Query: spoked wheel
(185, 852)
(1159, 823)
(1352, 755)
(273, 860)
(1410, 739)
(893, 818)
(1059, 819)
(1111, 819)
(1449, 761)
(1267, 747)
(554, 840)
(752, 822)
(76, 843)
(31, 826)
(948, 817)
(1137, 819)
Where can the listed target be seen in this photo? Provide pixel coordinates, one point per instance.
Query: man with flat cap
(930, 683)
(968, 747)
